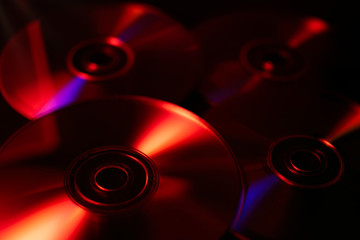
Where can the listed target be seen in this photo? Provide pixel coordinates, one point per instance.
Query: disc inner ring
(305, 161)
(100, 59)
(111, 179)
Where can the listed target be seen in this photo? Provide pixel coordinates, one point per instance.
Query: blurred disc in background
(79, 54)
(300, 156)
(244, 48)
(128, 167)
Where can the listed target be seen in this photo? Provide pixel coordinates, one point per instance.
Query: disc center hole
(111, 178)
(276, 59)
(305, 161)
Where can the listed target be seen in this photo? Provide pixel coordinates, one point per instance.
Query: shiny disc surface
(247, 47)
(128, 167)
(79, 54)
(300, 156)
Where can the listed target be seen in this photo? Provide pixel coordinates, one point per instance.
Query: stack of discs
(108, 155)
(244, 48)
(98, 160)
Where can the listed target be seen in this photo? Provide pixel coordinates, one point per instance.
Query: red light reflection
(168, 131)
(268, 66)
(351, 122)
(55, 221)
(172, 188)
(130, 16)
(42, 93)
(44, 89)
(310, 28)
(253, 81)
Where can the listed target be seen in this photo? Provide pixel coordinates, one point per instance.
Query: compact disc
(80, 54)
(128, 167)
(244, 48)
(299, 152)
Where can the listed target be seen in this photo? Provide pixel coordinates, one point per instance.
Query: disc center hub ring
(272, 60)
(100, 59)
(111, 179)
(305, 161)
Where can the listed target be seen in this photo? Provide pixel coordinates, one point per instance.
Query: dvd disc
(80, 54)
(122, 168)
(299, 153)
(244, 48)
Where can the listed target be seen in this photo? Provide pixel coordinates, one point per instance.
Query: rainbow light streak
(254, 195)
(65, 96)
(56, 221)
(136, 27)
(310, 28)
(128, 17)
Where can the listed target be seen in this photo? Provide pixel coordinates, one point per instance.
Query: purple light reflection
(67, 95)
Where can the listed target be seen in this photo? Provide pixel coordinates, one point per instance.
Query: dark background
(342, 16)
